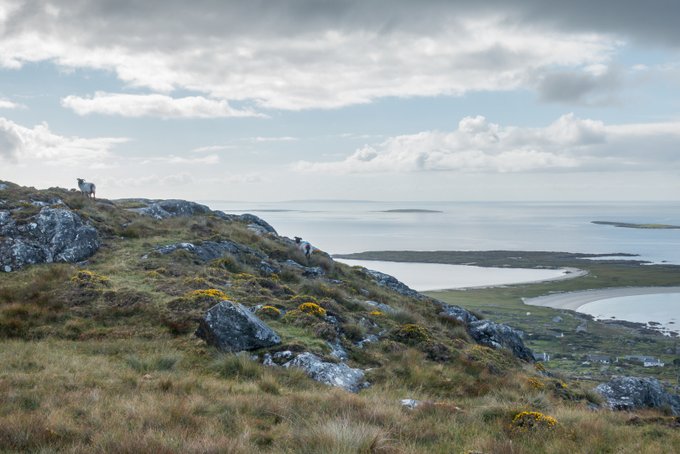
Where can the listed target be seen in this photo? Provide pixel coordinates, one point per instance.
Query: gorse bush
(312, 309)
(532, 420)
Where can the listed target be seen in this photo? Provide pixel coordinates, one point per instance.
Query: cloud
(153, 105)
(568, 144)
(18, 143)
(7, 104)
(294, 55)
(180, 160)
(596, 85)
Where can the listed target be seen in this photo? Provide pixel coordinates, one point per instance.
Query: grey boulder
(391, 282)
(338, 375)
(630, 393)
(231, 327)
(163, 209)
(497, 335)
(52, 235)
(458, 313)
(211, 250)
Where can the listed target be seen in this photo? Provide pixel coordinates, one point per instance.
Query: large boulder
(391, 282)
(497, 335)
(52, 235)
(630, 393)
(231, 327)
(339, 375)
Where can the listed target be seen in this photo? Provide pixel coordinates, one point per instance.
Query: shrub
(532, 420)
(269, 311)
(228, 263)
(376, 314)
(535, 383)
(211, 293)
(312, 309)
(89, 279)
(411, 334)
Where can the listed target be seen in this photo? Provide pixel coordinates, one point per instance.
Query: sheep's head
(298, 239)
(80, 180)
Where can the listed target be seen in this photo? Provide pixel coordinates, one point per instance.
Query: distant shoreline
(410, 210)
(574, 300)
(631, 225)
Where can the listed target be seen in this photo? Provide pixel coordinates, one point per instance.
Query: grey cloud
(10, 141)
(579, 87)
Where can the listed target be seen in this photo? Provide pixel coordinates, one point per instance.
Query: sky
(428, 100)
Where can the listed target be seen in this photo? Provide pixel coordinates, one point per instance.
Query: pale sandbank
(574, 300)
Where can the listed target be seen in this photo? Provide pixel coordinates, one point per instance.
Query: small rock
(458, 313)
(391, 282)
(337, 351)
(386, 308)
(411, 404)
(338, 375)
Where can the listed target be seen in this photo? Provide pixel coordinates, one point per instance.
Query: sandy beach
(574, 300)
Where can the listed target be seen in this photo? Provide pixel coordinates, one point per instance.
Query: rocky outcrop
(630, 393)
(458, 313)
(211, 250)
(339, 375)
(253, 222)
(52, 235)
(391, 282)
(231, 327)
(307, 271)
(496, 335)
(163, 209)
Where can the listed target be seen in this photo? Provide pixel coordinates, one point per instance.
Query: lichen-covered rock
(163, 209)
(232, 327)
(630, 393)
(458, 313)
(386, 308)
(339, 375)
(52, 235)
(391, 282)
(497, 335)
(307, 271)
(253, 220)
(211, 250)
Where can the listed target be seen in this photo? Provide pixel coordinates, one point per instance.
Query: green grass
(113, 366)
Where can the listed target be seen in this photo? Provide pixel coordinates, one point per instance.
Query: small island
(631, 225)
(410, 210)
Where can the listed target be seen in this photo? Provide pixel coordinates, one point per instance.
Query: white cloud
(568, 144)
(7, 104)
(180, 160)
(153, 105)
(286, 56)
(274, 139)
(18, 143)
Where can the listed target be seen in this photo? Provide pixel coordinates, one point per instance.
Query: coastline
(574, 300)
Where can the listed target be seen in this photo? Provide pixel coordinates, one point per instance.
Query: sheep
(87, 189)
(304, 246)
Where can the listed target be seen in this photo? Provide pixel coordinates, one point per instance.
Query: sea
(340, 227)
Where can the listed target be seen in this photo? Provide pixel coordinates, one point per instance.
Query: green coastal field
(566, 343)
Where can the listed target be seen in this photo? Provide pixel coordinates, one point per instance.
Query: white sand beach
(574, 300)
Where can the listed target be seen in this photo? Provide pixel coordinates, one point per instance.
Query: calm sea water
(345, 227)
(662, 308)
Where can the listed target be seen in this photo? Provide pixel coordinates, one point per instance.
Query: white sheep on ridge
(87, 189)
(305, 246)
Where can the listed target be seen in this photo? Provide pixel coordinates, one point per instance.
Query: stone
(337, 350)
(391, 282)
(557, 319)
(251, 219)
(211, 250)
(338, 375)
(385, 308)
(631, 393)
(232, 327)
(3, 186)
(497, 335)
(163, 209)
(410, 404)
(458, 313)
(307, 271)
(52, 235)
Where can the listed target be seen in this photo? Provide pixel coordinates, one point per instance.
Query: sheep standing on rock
(87, 189)
(305, 246)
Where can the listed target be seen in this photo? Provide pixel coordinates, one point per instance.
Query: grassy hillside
(101, 357)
